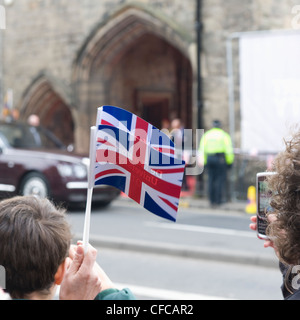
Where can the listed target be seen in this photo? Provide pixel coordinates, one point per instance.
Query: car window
(9, 133)
(3, 141)
(28, 137)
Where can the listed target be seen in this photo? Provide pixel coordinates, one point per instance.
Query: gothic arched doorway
(55, 115)
(137, 62)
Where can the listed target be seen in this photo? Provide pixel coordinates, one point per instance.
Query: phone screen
(264, 195)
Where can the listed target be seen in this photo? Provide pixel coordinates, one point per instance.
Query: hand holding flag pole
(91, 181)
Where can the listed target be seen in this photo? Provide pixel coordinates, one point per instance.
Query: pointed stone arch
(107, 69)
(41, 98)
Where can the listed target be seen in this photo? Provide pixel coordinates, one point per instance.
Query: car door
(7, 177)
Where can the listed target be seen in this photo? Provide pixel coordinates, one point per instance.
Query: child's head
(34, 243)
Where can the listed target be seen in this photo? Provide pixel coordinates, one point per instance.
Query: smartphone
(263, 198)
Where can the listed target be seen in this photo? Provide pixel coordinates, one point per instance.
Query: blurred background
(197, 60)
(162, 60)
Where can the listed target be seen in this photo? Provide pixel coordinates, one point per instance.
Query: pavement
(262, 258)
(193, 202)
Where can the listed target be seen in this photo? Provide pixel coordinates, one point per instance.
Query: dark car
(34, 161)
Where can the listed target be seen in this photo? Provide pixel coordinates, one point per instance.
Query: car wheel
(34, 184)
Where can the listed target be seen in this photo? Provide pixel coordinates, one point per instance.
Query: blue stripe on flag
(153, 207)
(122, 115)
(116, 134)
(115, 181)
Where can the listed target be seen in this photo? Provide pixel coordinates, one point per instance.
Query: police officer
(217, 153)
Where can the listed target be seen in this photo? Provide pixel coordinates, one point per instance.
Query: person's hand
(253, 226)
(106, 283)
(80, 282)
(4, 296)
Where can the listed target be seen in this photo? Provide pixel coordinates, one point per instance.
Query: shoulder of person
(115, 294)
(294, 296)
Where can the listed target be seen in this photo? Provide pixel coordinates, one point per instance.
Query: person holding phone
(283, 230)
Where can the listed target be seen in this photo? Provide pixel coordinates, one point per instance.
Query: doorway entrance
(154, 107)
(137, 62)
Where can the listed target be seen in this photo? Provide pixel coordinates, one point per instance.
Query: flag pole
(91, 179)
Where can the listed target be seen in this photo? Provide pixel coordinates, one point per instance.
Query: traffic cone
(251, 199)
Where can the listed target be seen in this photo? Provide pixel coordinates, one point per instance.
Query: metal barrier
(243, 173)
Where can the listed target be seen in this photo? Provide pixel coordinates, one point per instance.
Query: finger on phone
(253, 226)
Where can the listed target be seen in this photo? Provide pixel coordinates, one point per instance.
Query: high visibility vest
(215, 141)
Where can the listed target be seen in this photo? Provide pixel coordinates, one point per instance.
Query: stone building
(63, 58)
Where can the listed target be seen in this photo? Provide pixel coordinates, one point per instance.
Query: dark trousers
(216, 167)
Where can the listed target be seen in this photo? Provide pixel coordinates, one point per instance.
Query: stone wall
(46, 34)
(54, 40)
(220, 19)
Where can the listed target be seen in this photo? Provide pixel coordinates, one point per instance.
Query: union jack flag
(138, 159)
(138, 127)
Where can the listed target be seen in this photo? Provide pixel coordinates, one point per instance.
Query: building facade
(63, 59)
